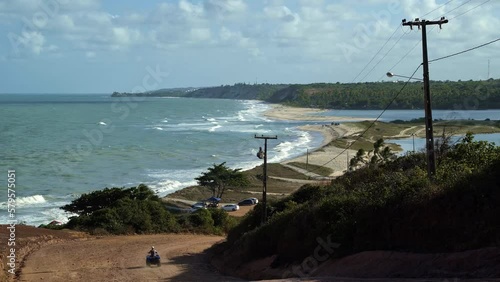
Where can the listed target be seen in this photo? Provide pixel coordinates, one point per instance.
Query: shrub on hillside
(121, 211)
(392, 207)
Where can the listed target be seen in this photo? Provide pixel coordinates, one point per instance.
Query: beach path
(122, 258)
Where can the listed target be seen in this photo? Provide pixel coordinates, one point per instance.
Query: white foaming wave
(57, 214)
(44, 216)
(212, 129)
(254, 111)
(241, 117)
(35, 200)
(162, 188)
(288, 149)
(38, 209)
(182, 127)
(165, 183)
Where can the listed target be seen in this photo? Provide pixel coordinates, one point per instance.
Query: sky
(99, 46)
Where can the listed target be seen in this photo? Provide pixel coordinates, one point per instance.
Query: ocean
(63, 145)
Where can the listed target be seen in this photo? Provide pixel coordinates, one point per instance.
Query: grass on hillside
(276, 189)
(381, 129)
(343, 142)
(324, 171)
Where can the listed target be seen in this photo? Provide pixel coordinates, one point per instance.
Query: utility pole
(347, 161)
(429, 135)
(263, 155)
(488, 69)
(307, 158)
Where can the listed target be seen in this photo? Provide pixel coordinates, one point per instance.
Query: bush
(121, 211)
(390, 207)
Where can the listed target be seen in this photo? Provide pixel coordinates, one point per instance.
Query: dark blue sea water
(64, 145)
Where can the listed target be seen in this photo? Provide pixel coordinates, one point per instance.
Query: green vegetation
(219, 177)
(137, 210)
(392, 206)
(238, 91)
(460, 95)
(453, 95)
(277, 188)
(321, 170)
(379, 155)
(171, 92)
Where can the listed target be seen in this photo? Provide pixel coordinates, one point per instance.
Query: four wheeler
(153, 260)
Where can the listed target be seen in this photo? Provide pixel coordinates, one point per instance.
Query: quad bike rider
(153, 257)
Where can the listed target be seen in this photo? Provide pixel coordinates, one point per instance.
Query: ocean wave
(212, 129)
(287, 149)
(35, 200)
(43, 216)
(253, 111)
(162, 188)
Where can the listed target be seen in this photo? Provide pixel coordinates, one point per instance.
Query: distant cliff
(167, 92)
(455, 95)
(238, 91)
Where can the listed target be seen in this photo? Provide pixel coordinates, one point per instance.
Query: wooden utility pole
(263, 155)
(307, 158)
(429, 135)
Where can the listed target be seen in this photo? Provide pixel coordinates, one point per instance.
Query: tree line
(449, 95)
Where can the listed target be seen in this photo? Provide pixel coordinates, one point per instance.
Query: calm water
(391, 115)
(407, 144)
(65, 145)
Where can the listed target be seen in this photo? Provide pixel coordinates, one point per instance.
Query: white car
(231, 207)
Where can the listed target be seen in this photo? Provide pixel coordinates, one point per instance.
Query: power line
(436, 8)
(457, 7)
(402, 58)
(465, 51)
(412, 49)
(376, 54)
(373, 122)
(470, 9)
(371, 60)
(383, 57)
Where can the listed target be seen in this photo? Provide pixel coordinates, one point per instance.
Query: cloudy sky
(99, 46)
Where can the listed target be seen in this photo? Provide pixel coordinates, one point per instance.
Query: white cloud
(33, 41)
(296, 33)
(192, 10)
(200, 34)
(225, 8)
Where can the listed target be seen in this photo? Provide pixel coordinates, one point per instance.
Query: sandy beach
(331, 157)
(305, 114)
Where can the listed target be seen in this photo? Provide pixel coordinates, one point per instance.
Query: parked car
(255, 200)
(231, 207)
(248, 202)
(197, 206)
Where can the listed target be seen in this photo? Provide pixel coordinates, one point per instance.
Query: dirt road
(122, 258)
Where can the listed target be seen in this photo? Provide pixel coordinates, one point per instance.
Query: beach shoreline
(282, 112)
(330, 127)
